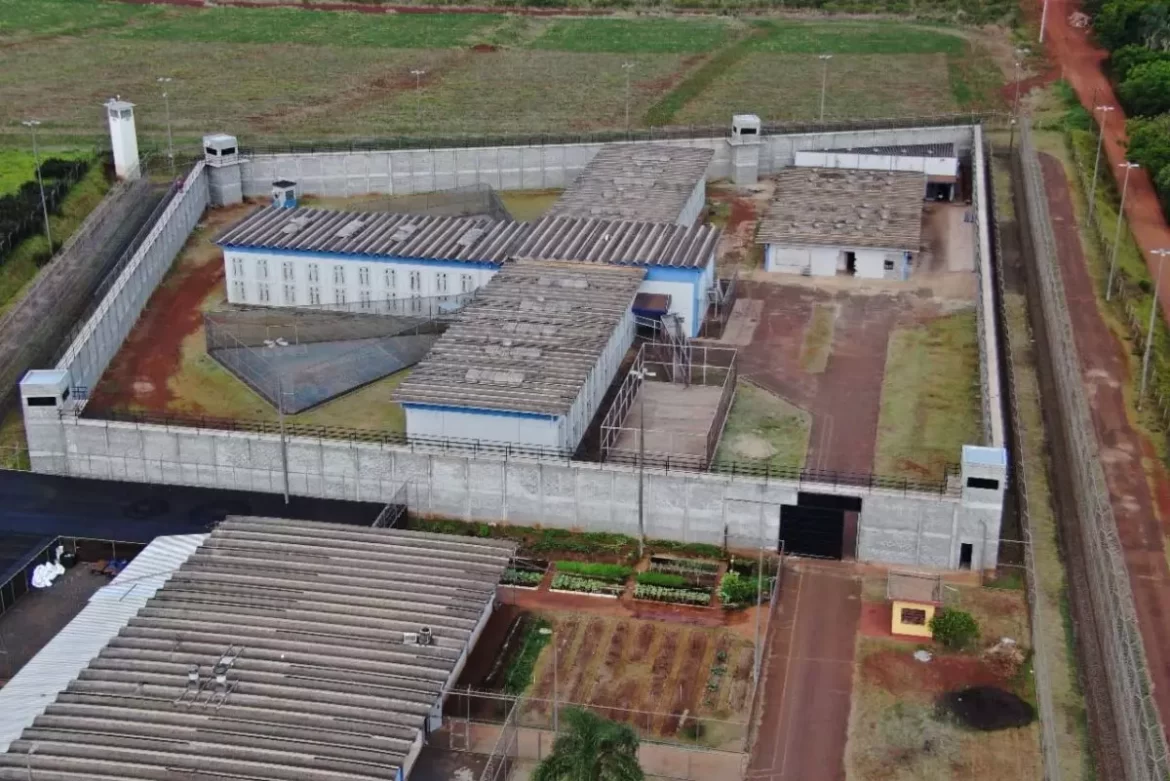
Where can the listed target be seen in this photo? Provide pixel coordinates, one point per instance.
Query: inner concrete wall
(407, 171)
(895, 527)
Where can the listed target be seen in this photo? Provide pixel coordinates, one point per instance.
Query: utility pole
(418, 73)
(1043, 20)
(1097, 161)
(824, 58)
(627, 67)
(641, 375)
(33, 124)
(1161, 253)
(164, 80)
(1117, 233)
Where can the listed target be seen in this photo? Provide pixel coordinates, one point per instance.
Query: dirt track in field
(1122, 448)
(1080, 62)
(808, 678)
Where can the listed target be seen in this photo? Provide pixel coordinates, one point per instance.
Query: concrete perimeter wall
(908, 529)
(407, 171)
(985, 307)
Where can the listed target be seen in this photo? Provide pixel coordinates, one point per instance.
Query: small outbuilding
(529, 360)
(914, 598)
(639, 183)
(938, 163)
(830, 221)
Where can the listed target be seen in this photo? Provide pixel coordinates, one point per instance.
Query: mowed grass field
(271, 75)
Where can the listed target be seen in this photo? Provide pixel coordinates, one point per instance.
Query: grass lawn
(764, 428)
(930, 397)
(896, 734)
(549, 75)
(19, 270)
(818, 339)
(13, 446)
(18, 166)
(527, 205)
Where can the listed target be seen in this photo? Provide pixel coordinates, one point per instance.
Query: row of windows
(264, 296)
(389, 276)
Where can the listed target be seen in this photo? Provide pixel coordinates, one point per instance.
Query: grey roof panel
(322, 685)
(905, 150)
(619, 242)
(528, 341)
(846, 208)
(638, 182)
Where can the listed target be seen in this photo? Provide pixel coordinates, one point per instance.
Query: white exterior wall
(693, 208)
(274, 278)
(829, 261)
(445, 422)
(682, 301)
(931, 166)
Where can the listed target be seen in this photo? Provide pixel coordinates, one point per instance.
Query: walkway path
(808, 677)
(1081, 62)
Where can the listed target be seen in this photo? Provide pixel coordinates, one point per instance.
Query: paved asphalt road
(133, 512)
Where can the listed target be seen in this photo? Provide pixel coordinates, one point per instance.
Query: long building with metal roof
(639, 183)
(267, 650)
(529, 361)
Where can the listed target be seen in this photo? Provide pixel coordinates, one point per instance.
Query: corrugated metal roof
(529, 340)
(846, 208)
(375, 234)
(640, 182)
(310, 621)
(37, 684)
(619, 242)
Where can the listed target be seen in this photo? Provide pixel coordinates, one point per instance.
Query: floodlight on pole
(627, 67)
(1117, 233)
(548, 632)
(641, 375)
(418, 73)
(33, 124)
(273, 344)
(824, 58)
(1097, 161)
(1161, 253)
(165, 80)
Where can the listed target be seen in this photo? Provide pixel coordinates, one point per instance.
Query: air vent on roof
(404, 232)
(469, 237)
(424, 636)
(349, 228)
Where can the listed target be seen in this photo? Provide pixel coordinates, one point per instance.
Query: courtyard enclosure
(829, 221)
(937, 162)
(529, 360)
(933, 522)
(384, 653)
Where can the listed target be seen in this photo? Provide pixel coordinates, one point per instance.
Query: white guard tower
(123, 138)
(745, 149)
(221, 152)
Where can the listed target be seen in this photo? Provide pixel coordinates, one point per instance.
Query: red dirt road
(1080, 63)
(808, 678)
(1106, 372)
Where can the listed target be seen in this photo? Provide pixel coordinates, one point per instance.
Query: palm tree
(591, 748)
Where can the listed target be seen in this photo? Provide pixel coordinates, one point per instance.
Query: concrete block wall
(986, 308)
(906, 529)
(405, 171)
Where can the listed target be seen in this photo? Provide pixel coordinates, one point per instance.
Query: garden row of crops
(686, 596)
(586, 585)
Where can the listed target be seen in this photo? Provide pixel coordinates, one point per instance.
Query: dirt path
(1080, 64)
(1122, 448)
(808, 677)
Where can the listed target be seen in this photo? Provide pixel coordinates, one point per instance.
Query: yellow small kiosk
(914, 597)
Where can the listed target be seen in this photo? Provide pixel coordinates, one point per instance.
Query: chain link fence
(1139, 737)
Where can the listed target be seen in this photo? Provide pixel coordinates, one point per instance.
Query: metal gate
(812, 531)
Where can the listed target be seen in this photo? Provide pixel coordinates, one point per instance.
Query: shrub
(521, 577)
(954, 628)
(519, 674)
(664, 579)
(1146, 91)
(615, 573)
(736, 590)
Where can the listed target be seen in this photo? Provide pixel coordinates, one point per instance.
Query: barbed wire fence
(1139, 736)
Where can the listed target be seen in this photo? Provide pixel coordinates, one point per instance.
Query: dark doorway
(966, 551)
(812, 531)
(850, 263)
(828, 501)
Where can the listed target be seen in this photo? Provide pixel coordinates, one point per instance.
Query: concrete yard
(677, 419)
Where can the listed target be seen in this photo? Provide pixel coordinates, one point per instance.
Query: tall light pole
(1117, 233)
(627, 67)
(1097, 161)
(272, 344)
(824, 58)
(641, 374)
(418, 73)
(1043, 20)
(548, 632)
(33, 124)
(1161, 253)
(165, 80)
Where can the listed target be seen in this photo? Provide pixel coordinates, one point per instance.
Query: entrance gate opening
(815, 525)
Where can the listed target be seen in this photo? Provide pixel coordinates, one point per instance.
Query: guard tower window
(747, 131)
(211, 151)
(231, 150)
(42, 401)
(985, 483)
